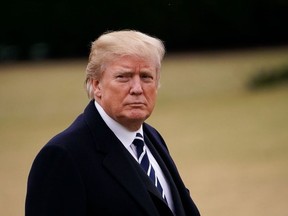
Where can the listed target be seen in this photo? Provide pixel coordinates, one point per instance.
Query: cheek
(151, 97)
(153, 92)
(113, 100)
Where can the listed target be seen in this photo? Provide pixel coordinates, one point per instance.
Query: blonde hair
(121, 43)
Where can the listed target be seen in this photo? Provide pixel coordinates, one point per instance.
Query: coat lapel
(178, 207)
(120, 167)
(184, 203)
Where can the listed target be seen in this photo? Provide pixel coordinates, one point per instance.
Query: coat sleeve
(54, 186)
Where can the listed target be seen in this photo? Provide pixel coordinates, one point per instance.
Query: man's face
(127, 90)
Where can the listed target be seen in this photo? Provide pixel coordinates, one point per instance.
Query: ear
(96, 88)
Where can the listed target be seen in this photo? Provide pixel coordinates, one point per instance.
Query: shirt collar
(124, 135)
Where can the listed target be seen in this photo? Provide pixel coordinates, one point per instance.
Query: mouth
(136, 104)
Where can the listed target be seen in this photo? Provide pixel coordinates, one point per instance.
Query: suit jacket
(85, 170)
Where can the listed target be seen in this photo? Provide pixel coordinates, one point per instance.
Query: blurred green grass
(230, 144)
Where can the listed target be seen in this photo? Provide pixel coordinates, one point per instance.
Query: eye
(147, 77)
(122, 77)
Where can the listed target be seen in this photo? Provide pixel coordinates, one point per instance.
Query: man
(109, 162)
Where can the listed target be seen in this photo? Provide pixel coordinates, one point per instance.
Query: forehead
(131, 62)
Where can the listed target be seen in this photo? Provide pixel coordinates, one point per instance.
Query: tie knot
(139, 135)
(138, 141)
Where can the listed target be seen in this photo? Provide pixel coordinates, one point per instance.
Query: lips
(136, 104)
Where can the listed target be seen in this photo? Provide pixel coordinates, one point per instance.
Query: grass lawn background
(229, 143)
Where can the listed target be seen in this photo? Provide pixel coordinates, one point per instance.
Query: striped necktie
(145, 163)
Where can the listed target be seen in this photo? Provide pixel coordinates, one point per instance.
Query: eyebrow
(128, 70)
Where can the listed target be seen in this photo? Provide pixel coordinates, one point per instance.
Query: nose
(136, 86)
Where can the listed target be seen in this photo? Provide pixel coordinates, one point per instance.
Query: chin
(139, 116)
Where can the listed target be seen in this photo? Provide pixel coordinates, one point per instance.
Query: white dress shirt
(127, 137)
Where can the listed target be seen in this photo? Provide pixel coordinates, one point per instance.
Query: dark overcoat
(86, 171)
